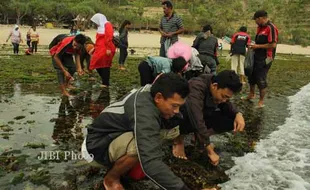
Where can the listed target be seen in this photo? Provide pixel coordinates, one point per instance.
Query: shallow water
(33, 124)
(34, 120)
(282, 159)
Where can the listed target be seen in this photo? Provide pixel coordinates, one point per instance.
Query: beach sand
(146, 40)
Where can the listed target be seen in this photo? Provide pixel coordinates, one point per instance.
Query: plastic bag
(249, 63)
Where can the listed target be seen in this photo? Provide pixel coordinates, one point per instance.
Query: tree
(20, 8)
(4, 9)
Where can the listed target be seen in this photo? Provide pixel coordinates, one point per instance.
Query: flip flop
(246, 98)
(259, 107)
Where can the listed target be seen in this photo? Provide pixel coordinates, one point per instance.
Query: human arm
(9, 37)
(147, 134)
(109, 37)
(272, 39)
(232, 112)
(264, 46)
(60, 65)
(179, 24)
(78, 64)
(160, 29)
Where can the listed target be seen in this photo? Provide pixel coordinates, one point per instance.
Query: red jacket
(100, 59)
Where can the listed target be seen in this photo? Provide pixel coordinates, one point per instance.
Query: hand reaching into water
(239, 123)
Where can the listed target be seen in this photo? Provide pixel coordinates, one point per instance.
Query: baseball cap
(260, 13)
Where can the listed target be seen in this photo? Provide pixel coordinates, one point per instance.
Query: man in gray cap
(265, 48)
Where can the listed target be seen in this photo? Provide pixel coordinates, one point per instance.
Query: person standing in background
(239, 41)
(34, 36)
(16, 39)
(104, 48)
(28, 39)
(265, 50)
(123, 35)
(206, 44)
(170, 26)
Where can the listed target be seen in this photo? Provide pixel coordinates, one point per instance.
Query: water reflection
(72, 113)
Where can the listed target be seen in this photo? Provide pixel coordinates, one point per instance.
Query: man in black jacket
(129, 131)
(208, 111)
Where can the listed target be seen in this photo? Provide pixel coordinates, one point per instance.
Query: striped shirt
(172, 24)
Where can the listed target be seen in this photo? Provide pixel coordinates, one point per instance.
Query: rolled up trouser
(125, 143)
(259, 74)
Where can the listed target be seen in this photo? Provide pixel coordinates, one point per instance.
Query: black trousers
(105, 75)
(28, 43)
(123, 53)
(15, 48)
(146, 73)
(34, 46)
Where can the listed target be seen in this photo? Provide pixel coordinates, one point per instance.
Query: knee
(261, 84)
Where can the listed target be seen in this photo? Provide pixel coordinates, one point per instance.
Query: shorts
(67, 62)
(259, 74)
(125, 144)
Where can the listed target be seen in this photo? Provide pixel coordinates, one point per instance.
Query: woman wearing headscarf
(16, 39)
(104, 48)
(207, 44)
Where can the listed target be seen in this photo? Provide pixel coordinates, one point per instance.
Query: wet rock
(11, 122)
(6, 135)
(32, 112)
(35, 145)
(81, 178)
(53, 120)
(6, 128)
(18, 179)
(41, 176)
(2, 172)
(30, 121)
(19, 117)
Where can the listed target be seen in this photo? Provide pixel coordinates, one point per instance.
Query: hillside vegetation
(226, 16)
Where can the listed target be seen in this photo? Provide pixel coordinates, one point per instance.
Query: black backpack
(116, 41)
(56, 40)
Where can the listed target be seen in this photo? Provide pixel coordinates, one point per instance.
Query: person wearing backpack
(16, 39)
(62, 51)
(104, 48)
(123, 35)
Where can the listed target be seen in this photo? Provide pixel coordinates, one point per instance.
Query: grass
(286, 75)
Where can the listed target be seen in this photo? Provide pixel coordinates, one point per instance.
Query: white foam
(282, 160)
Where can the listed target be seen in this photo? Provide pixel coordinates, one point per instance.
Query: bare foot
(66, 93)
(260, 104)
(69, 86)
(91, 79)
(249, 97)
(103, 86)
(178, 151)
(112, 184)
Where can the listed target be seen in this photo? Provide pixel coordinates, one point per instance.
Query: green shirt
(159, 64)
